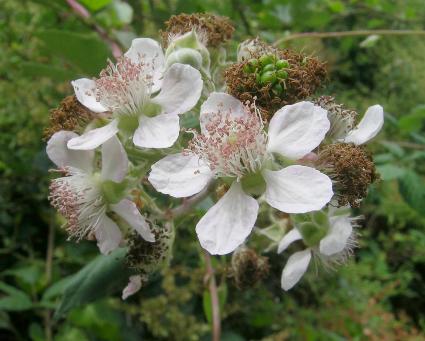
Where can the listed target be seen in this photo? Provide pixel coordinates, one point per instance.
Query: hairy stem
(347, 34)
(215, 304)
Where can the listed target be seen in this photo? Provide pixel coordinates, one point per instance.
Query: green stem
(347, 34)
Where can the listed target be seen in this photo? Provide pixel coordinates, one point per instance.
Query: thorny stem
(347, 34)
(86, 16)
(215, 305)
(49, 265)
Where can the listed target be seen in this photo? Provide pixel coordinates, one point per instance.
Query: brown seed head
(217, 29)
(304, 75)
(352, 169)
(145, 257)
(248, 268)
(70, 115)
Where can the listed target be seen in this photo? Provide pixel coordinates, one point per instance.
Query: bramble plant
(173, 125)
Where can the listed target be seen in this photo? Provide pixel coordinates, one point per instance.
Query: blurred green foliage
(379, 296)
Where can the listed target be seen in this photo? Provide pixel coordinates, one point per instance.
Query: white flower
(333, 248)
(233, 144)
(144, 97)
(80, 195)
(368, 128)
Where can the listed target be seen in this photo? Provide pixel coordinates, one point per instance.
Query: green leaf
(36, 333)
(103, 276)
(393, 148)
(5, 321)
(206, 300)
(16, 300)
(86, 52)
(57, 288)
(390, 172)
(414, 121)
(95, 5)
(35, 70)
(412, 188)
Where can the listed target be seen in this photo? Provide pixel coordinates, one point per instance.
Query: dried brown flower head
(352, 169)
(145, 257)
(215, 28)
(276, 78)
(70, 115)
(248, 268)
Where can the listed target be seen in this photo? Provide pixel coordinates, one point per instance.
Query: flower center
(77, 197)
(232, 146)
(124, 87)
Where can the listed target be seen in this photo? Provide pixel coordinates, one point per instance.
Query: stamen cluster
(124, 87)
(79, 201)
(232, 146)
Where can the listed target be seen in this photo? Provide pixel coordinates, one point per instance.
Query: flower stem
(347, 34)
(215, 304)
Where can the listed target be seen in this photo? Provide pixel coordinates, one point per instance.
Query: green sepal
(253, 184)
(312, 234)
(114, 192)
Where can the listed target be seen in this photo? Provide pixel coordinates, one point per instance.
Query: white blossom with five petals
(143, 95)
(234, 145)
(334, 248)
(79, 197)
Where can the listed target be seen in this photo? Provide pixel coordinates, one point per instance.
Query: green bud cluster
(268, 69)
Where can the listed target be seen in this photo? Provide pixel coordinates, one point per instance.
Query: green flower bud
(268, 67)
(190, 40)
(277, 89)
(268, 77)
(185, 56)
(282, 64)
(267, 59)
(253, 62)
(281, 74)
(248, 69)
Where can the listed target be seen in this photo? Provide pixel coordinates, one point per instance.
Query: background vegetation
(378, 296)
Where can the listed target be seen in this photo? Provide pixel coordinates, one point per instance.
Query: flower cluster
(261, 137)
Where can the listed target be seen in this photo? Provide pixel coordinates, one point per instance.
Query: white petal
(150, 52)
(295, 268)
(369, 126)
(157, 132)
(94, 138)
(336, 239)
(85, 89)
(180, 90)
(108, 235)
(180, 175)
(127, 210)
(133, 286)
(288, 239)
(220, 102)
(297, 189)
(227, 224)
(297, 129)
(59, 153)
(114, 160)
